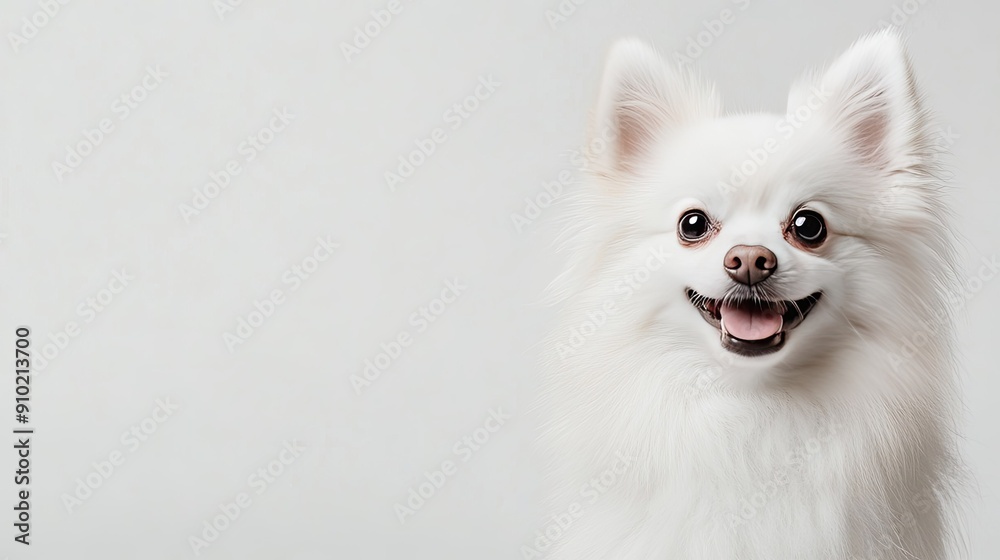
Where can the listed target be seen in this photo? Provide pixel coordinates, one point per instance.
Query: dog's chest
(750, 488)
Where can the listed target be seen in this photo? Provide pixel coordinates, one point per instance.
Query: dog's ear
(640, 97)
(870, 96)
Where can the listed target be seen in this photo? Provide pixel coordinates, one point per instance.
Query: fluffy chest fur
(716, 474)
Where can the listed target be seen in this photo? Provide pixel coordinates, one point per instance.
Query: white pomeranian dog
(754, 358)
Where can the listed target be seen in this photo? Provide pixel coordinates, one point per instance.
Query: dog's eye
(693, 226)
(809, 227)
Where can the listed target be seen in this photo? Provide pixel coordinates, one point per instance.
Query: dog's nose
(749, 264)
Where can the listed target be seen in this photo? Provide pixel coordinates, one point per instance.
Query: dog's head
(768, 241)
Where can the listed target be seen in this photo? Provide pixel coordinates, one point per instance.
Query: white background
(323, 175)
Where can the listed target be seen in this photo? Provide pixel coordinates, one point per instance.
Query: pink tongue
(747, 323)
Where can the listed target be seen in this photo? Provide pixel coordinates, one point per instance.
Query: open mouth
(753, 327)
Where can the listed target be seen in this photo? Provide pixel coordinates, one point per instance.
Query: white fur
(840, 445)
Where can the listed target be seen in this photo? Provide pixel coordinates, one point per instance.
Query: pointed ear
(640, 98)
(869, 94)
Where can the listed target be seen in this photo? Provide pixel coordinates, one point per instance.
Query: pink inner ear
(637, 123)
(871, 132)
(871, 135)
(630, 136)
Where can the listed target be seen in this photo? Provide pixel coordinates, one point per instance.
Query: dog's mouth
(753, 327)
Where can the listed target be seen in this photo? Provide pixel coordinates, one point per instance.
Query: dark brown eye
(694, 225)
(809, 228)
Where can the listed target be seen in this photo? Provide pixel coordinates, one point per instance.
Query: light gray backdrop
(134, 272)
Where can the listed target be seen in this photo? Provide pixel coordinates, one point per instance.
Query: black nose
(749, 264)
